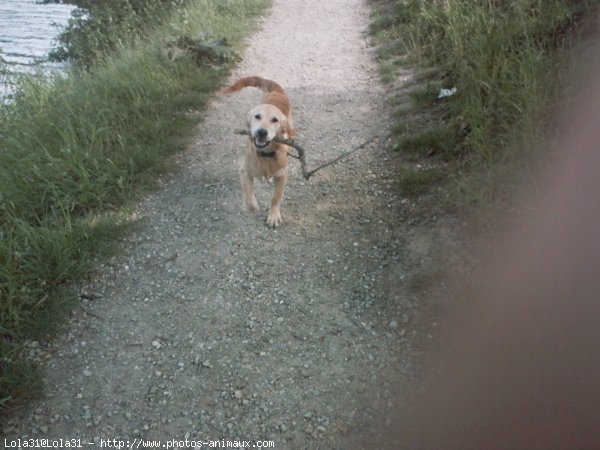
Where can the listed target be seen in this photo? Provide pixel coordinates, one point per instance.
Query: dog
(263, 157)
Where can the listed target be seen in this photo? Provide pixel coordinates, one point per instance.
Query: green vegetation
(98, 28)
(418, 181)
(508, 62)
(74, 150)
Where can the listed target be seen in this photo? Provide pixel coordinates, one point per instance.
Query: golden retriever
(263, 157)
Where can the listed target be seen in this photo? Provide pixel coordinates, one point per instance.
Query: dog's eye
(274, 120)
(257, 117)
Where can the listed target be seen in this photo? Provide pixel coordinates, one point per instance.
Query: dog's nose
(261, 133)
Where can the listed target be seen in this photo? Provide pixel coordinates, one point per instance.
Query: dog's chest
(271, 166)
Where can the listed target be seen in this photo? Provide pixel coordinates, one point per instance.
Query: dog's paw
(252, 205)
(274, 218)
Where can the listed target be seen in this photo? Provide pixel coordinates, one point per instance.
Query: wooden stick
(302, 153)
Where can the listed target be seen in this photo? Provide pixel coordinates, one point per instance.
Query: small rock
(156, 344)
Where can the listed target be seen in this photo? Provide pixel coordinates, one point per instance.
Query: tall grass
(76, 149)
(507, 60)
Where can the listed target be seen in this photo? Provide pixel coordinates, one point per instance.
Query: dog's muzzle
(260, 138)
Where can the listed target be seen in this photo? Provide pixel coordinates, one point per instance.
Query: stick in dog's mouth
(260, 142)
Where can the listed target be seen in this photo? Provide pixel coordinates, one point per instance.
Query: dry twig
(301, 156)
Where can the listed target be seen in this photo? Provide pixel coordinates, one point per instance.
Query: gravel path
(210, 325)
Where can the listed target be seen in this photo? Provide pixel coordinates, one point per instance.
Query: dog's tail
(258, 82)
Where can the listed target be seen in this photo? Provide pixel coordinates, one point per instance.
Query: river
(27, 34)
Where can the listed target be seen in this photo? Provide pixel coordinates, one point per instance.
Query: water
(27, 34)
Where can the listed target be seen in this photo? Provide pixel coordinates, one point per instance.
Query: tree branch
(302, 153)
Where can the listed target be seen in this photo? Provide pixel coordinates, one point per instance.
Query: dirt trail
(211, 325)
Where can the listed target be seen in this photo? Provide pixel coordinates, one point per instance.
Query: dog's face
(265, 122)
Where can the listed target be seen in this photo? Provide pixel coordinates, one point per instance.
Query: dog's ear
(287, 129)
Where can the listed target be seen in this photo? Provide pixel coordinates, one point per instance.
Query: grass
(435, 140)
(419, 181)
(509, 62)
(76, 149)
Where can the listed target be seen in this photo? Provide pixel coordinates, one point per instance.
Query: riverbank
(75, 150)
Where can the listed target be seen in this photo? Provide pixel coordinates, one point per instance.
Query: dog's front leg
(274, 217)
(247, 183)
